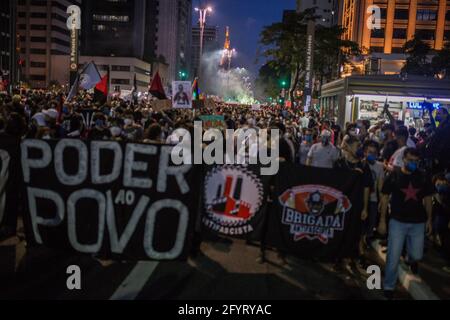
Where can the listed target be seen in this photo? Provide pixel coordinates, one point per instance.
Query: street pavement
(227, 270)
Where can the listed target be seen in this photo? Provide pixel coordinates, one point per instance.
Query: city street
(224, 271)
(225, 150)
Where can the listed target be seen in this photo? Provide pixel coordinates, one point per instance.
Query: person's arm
(309, 158)
(384, 202)
(428, 203)
(389, 115)
(365, 212)
(430, 111)
(386, 191)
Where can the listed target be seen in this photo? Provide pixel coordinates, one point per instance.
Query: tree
(285, 47)
(441, 62)
(267, 84)
(417, 62)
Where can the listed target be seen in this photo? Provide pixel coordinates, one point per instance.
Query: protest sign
(109, 198)
(317, 212)
(182, 95)
(10, 181)
(213, 122)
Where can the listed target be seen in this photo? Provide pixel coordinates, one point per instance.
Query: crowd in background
(406, 172)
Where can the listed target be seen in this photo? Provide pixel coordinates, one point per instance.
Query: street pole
(307, 96)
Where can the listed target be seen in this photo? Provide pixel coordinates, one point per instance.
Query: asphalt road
(224, 271)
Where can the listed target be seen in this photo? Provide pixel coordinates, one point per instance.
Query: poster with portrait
(182, 95)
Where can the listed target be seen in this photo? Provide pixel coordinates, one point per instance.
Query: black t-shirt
(407, 194)
(97, 134)
(368, 181)
(389, 150)
(441, 209)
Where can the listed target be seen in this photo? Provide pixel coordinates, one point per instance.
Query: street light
(202, 21)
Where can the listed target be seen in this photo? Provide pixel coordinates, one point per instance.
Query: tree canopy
(284, 46)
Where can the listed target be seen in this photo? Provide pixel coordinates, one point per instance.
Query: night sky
(246, 18)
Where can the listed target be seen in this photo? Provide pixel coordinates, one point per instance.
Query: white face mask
(46, 137)
(128, 122)
(115, 131)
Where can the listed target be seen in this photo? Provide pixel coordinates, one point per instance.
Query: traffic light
(284, 84)
(183, 75)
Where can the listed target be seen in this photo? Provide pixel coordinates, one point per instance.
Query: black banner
(317, 212)
(125, 201)
(10, 182)
(234, 201)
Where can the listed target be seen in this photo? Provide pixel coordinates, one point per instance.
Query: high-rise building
(400, 22)
(210, 44)
(124, 28)
(44, 41)
(8, 54)
(174, 35)
(325, 9)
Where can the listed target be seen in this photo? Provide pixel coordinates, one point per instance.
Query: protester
(441, 213)
(323, 154)
(305, 138)
(305, 146)
(410, 217)
(371, 156)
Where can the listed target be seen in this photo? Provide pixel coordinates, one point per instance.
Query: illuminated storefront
(364, 97)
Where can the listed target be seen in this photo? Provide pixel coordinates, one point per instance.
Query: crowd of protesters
(406, 172)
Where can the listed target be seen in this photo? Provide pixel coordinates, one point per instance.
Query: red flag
(101, 90)
(60, 108)
(156, 88)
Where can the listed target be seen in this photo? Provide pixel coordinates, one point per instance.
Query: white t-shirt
(397, 158)
(323, 156)
(377, 170)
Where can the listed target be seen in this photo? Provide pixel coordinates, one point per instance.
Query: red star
(410, 193)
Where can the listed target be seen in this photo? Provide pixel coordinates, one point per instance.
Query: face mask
(99, 123)
(46, 137)
(325, 141)
(352, 133)
(412, 166)
(128, 122)
(360, 153)
(371, 158)
(438, 118)
(115, 131)
(442, 189)
(382, 136)
(308, 138)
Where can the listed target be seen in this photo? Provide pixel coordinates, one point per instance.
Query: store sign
(421, 105)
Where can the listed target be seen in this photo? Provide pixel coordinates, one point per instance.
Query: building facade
(174, 35)
(210, 44)
(44, 41)
(326, 9)
(360, 97)
(8, 53)
(122, 72)
(124, 28)
(400, 21)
